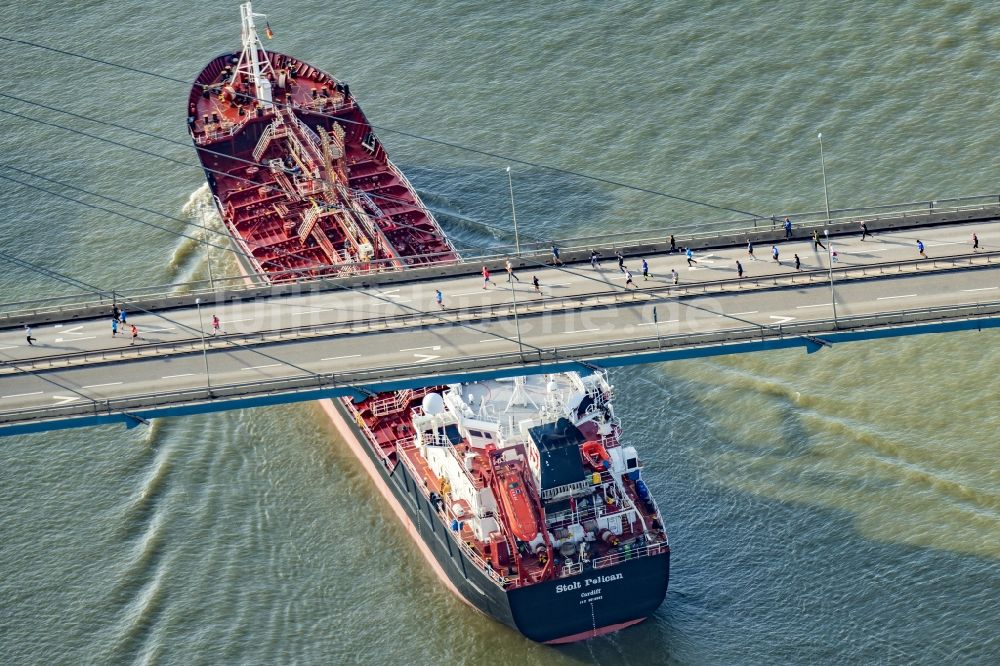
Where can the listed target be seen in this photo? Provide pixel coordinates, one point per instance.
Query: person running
(594, 254)
(750, 250)
(673, 244)
(628, 279)
(556, 261)
(121, 315)
(788, 228)
(690, 257)
(920, 248)
(510, 272)
(774, 254)
(975, 242)
(864, 229)
(135, 334)
(486, 277)
(216, 325)
(621, 261)
(739, 269)
(534, 281)
(439, 297)
(816, 241)
(27, 335)
(675, 276)
(645, 270)
(114, 327)
(798, 263)
(115, 312)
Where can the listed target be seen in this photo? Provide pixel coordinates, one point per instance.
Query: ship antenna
(250, 65)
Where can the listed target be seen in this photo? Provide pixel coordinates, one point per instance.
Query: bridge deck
(298, 347)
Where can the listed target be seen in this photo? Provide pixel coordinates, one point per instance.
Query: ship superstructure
(519, 491)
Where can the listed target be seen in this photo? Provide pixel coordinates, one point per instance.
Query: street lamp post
(517, 326)
(833, 297)
(656, 324)
(513, 213)
(822, 164)
(204, 347)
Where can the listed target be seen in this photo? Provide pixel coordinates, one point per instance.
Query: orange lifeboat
(596, 455)
(517, 504)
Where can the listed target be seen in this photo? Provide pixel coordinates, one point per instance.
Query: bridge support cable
(410, 135)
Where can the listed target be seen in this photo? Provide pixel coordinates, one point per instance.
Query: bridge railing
(696, 232)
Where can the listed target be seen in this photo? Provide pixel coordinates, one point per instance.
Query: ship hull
(569, 609)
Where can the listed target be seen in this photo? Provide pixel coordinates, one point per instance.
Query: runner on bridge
(594, 254)
(486, 277)
(216, 325)
(628, 279)
(774, 254)
(27, 335)
(864, 229)
(975, 242)
(534, 281)
(690, 257)
(788, 228)
(920, 248)
(817, 243)
(510, 272)
(439, 297)
(739, 269)
(798, 263)
(645, 270)
(621, 261)
(750, 250)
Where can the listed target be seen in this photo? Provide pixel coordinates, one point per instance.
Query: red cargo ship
(518, 492)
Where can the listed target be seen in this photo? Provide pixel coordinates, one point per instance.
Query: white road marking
(89, 337)
(386, 292)
(258, 367)
(737, 314)
(233, 321)
(99, 385)
(21, 395)
(427, 357)
(63, 399)
(781, 319)
(585, 330)
(557, 284)
(802, 307)
(186, 374)
(654, 323)
(980, 289)
(11, 347)
(468, 293)
(336, 358)
(70, 330)
(887, 298)
(306, 312)
(158, 330)
(434, 348)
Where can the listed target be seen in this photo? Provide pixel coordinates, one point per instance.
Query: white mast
(249, 64)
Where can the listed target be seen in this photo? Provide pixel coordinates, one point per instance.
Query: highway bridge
(361, 334)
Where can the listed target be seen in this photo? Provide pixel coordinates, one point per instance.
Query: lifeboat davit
(517, 504)
(596, 455)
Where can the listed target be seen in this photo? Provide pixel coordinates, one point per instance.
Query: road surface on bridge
(306, 312)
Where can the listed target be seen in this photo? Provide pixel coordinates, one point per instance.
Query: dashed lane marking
(21, 395)
(186, 374)
(818, 305)
(89, 337)
(337, 358)
(100, 385)
(980, 289)
(887, 298)
(258, 367)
